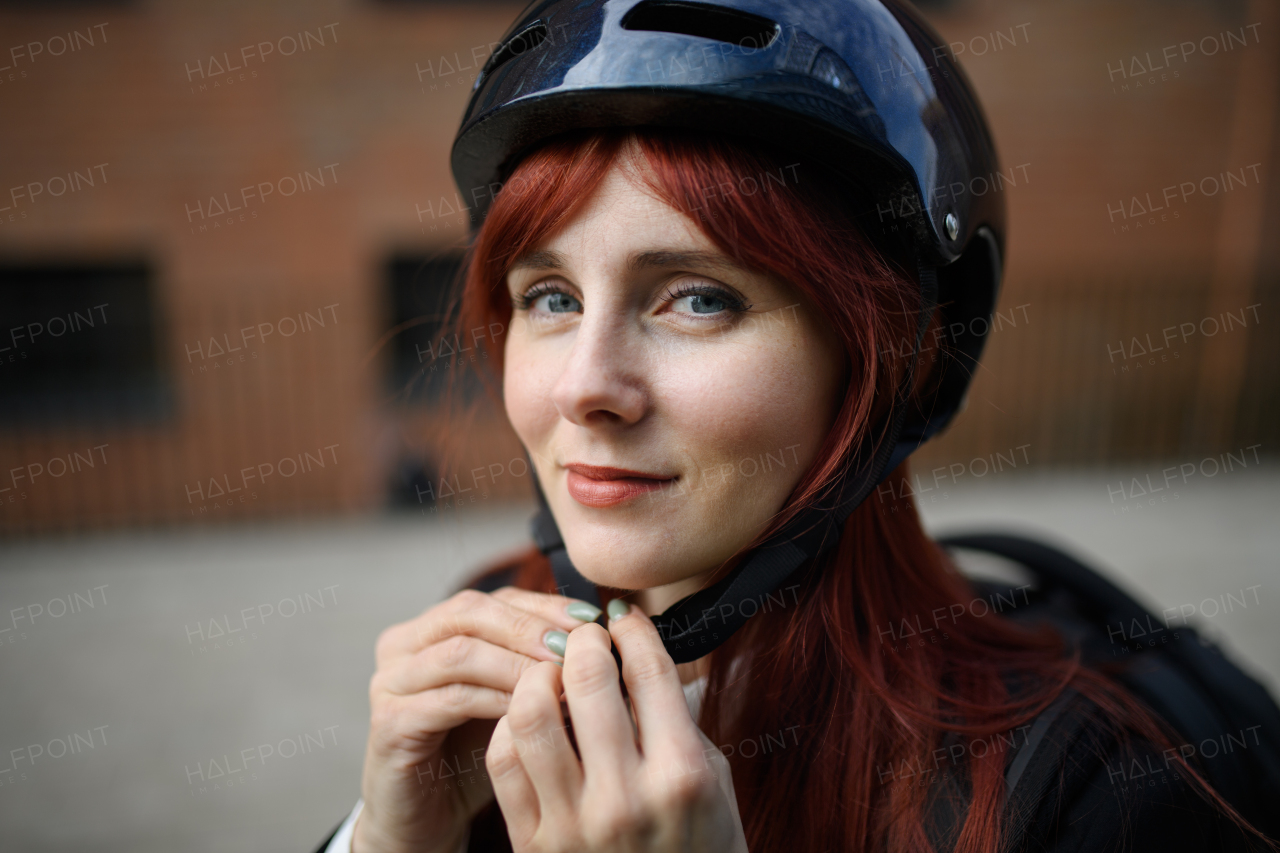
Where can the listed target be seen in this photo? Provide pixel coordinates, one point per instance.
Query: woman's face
(670, 399)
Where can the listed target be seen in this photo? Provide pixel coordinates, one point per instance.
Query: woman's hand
(441, 682)
(656, 785)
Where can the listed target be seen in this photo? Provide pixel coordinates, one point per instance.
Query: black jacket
(1074, 787)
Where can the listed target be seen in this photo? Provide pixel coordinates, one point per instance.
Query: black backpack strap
(1038, 735)
(1034, 770)
(1035, 767)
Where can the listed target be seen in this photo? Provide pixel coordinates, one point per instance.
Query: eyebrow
(551, 260)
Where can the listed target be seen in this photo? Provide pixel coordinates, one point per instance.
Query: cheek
(761, 397)
(526, 394)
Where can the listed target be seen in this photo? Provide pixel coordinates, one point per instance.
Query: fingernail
(556, 640)
(582, 611)
(617, 609)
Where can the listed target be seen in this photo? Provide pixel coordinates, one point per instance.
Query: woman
(716, 335)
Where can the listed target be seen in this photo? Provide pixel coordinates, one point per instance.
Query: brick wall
(267, 161)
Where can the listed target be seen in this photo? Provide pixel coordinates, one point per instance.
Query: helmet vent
(703, 20)
(525, 40)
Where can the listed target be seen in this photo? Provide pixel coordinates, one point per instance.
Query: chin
(603, 567)
(634, 565)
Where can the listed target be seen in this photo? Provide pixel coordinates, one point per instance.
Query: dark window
(426, 355)
(79, 342)
(427, 352)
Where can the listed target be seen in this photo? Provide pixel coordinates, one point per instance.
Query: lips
(600, 486)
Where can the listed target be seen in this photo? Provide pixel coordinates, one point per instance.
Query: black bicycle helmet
(865, 89)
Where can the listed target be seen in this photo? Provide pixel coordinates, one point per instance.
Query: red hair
(845, 714)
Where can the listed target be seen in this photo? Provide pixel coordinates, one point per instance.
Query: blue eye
(704, 303)
(546, 298)
(557, 303)
(701, 299)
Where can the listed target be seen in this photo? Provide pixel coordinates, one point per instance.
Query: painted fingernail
(582, 611)
(617, 609)
(556, 640)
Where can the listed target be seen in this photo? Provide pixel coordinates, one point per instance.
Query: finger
(477, 614)
(516, 796)
(460, 658)
(541, 741)
(569, 613)
(667, 731)
(601, 721)
(412, 721)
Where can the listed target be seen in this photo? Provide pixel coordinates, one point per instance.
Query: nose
(602, 381)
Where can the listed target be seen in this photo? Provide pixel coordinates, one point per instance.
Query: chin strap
(549, 541)
(698, 624)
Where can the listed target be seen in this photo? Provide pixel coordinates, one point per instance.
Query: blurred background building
(224, 233)
(225, 230)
